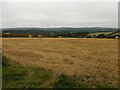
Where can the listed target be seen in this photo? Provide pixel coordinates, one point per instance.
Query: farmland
(93, 60)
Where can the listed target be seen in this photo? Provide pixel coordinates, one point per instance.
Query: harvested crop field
(94, 60)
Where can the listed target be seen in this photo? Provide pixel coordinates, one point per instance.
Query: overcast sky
(60, 14)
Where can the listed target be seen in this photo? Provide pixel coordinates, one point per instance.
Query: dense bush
(101, 36)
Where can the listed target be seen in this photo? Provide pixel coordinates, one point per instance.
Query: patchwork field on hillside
(93, 60)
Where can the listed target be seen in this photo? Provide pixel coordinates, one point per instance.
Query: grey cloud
(61, 14)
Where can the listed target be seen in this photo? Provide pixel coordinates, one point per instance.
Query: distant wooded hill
(63, 32)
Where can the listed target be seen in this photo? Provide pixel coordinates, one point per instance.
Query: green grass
(38, 77)
(5, 61)
(97, 33)
(0, 76)
(68, 82)
(104, 86)
(105, 33)
(116, 34)
(13, 75)
(17, 76)
(101, 85)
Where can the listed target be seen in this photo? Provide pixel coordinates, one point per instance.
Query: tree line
(64, 35)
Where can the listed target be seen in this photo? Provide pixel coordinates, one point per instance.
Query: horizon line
(58, 27)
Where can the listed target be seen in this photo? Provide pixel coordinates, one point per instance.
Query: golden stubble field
(93, 59)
